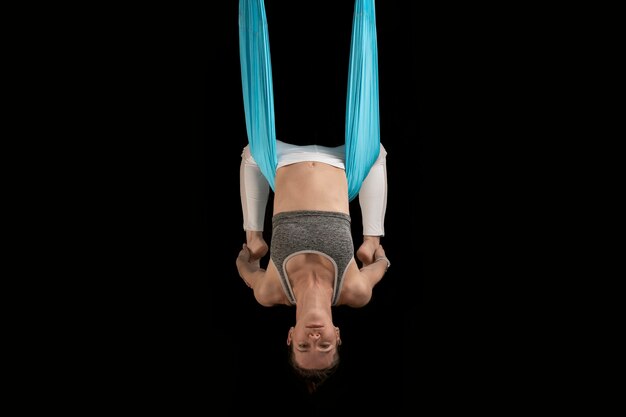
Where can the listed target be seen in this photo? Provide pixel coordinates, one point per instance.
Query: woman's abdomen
(311, 186)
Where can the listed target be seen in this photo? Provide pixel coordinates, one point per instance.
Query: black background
(130, 302)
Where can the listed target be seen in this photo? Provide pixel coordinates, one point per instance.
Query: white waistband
(291, 154)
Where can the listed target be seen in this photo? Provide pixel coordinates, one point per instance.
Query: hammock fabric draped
(362, 128)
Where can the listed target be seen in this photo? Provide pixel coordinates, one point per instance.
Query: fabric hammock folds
(362, 129)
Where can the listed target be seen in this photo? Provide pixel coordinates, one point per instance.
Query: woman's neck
(314, 299)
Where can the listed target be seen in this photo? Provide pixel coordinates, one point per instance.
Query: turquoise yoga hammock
(362, 129)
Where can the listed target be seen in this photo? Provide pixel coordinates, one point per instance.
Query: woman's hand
(367, 252)
(379, 253)
(246, 264)
(379, 256)
(256, 244)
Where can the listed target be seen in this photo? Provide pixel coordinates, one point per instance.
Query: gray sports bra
(327, 233)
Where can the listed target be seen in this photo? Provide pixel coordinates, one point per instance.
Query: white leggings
(254, 190)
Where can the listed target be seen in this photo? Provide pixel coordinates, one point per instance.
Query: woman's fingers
(244, 253)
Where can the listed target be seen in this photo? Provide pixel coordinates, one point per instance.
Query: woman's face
(314, 347)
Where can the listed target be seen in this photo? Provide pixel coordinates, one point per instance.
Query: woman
(312, 262)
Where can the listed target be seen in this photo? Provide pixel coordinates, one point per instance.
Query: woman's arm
(254, 192)
(249, 268)
(358, 287)
(373, 197)
(375, 271)
(373, 203)
(267, 289)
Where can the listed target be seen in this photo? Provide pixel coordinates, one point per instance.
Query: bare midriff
(311, 186)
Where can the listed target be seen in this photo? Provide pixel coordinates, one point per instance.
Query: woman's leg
(254, 191)
(373, 203)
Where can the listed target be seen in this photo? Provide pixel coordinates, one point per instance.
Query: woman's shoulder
(354, 291)
(270, 291)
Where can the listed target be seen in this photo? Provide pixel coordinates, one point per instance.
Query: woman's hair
(313, 378)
